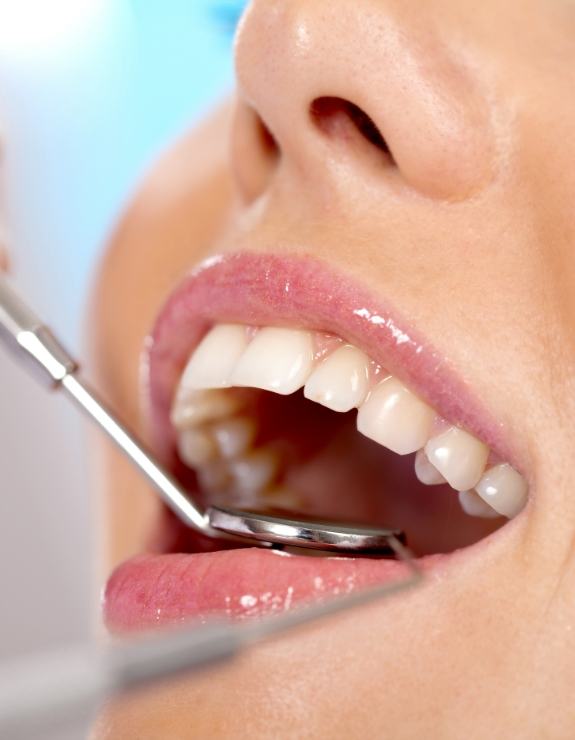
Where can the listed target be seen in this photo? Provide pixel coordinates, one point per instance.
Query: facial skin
(470, 230)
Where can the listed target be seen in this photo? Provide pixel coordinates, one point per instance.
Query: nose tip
(329, 86)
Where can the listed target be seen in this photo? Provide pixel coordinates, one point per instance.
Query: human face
(408, 161)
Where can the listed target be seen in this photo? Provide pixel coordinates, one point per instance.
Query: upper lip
(261, 289)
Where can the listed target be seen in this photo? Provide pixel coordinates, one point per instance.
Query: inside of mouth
(324, 468)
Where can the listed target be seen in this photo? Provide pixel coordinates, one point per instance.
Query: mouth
(275, 385)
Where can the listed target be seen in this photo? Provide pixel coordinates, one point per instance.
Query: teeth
(255, 471)
(192, 408)
(395, 418)
(220, 444)
(341, 381)
(425, 471)
(215, 357)
(195, 447)
(278, 360)
(213, 477)
(233, 437)
(474, 505)
(458, 456)
(504, 489)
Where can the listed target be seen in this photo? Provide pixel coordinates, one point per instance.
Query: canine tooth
(195, 447)
(459, 456)
(341, 381)
(255, 471)
(192, 408)
(474, 505)
(395, 418)
(213, 360)
(425, 471)
(233, 437)
(276, 359)
(504, 489)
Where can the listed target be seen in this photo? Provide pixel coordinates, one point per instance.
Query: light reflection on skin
(471, 236)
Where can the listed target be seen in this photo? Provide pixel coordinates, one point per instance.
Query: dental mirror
(23, 332)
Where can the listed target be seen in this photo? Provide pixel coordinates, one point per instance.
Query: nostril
(339, 117)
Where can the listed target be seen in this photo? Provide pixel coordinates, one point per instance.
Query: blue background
(90, 92)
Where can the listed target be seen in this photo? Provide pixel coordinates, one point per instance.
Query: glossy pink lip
(271, 290)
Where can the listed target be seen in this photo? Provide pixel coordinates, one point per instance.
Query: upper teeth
(285, 360)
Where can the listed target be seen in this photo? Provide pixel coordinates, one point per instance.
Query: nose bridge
(392, 64)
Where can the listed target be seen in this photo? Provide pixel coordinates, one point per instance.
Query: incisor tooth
(459, 457)
(504, 489)
(474, 505)
(425, 471)
(278, 360)
(395, 418)
(195, 447)
(341, 381)
(233, 437)
(192, 408)
(213, 360)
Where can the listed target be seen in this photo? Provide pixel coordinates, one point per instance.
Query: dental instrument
(50, 691)
(33, 342)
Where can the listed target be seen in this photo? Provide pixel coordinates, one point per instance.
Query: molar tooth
(192, 408)
(255, 471)
(213, 477)
(213, 360)
(395, 418)
(341, 381)
(277, 359)
(233, 437)
(425, 471)
(504, 489)
(195, 447)
(459, 456)
(474, 505)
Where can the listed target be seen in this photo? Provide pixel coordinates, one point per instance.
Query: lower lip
(154, 590)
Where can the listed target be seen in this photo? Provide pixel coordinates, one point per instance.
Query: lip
(274, 290)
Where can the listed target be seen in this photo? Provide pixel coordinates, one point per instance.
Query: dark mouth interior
(341, 475)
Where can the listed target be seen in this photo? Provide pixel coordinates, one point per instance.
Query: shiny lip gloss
(259, 289)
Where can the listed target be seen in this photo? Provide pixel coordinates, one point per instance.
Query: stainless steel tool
(49, 693)
(42, 695)
(32, 341)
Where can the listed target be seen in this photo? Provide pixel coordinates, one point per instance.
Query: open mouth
(276, 386)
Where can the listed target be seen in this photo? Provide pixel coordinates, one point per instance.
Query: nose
(376, 89)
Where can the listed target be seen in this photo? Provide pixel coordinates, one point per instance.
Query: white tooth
(278, 360)
(459, 456)
(213, 477)
(255, 471)
(395, 418)
(425, 471)
(192, 408)
(504, 489)
(233, 437)
(213, 360)
(474, 505)
(195, 447)
(341, 381)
